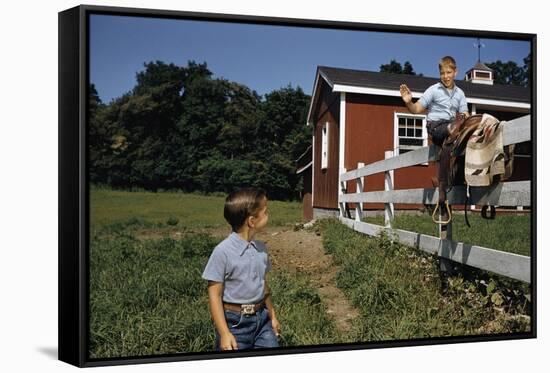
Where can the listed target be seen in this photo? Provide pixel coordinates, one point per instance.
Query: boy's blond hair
(447, 61)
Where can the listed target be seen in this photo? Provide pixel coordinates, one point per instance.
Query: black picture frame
(73, 181)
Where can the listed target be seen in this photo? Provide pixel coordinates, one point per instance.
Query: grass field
(190, 210)
(397, 290)
(509, 233)
(147, 296)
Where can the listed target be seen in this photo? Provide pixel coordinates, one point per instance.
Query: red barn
(358, 115)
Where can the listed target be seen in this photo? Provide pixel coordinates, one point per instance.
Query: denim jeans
(250, 331)
(438, 131)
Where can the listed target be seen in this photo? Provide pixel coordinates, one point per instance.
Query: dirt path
(296, 252)
(302, 251)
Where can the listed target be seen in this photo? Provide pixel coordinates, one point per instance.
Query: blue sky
(266, 58)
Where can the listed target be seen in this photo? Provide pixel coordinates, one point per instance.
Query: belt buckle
(248, 309)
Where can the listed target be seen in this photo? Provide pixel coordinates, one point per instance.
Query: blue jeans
(250, 331)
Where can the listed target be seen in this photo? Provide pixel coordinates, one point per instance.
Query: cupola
(480, 74)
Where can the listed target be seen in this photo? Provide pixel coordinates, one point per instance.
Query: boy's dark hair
(241, 204)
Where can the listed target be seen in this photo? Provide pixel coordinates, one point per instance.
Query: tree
(527, 69)
(180, 128)
(510, 73)
(395, 67)
(408, 69)
(282, 137)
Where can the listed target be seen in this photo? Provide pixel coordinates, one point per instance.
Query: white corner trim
(342, 148)
(342, 136)
(313, 169)
(308, 120)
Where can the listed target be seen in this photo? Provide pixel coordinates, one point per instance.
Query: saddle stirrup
(437, 207)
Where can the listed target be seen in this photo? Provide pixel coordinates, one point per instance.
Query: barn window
(483, 75)
(324, 146)
(410, 132)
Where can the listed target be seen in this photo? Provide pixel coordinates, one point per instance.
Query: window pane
(418, 132)
(401, 121)
(401, 131)
(410, 142)
(410, 132)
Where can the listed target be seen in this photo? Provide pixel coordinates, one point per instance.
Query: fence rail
(503, 194)
(515, 131)
(515, 193)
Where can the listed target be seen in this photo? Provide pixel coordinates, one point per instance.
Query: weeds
(398, 291)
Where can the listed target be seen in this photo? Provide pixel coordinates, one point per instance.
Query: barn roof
(481, 66)
(386, 84)
(370, 79)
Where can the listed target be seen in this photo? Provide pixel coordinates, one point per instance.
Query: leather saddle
(451, 161)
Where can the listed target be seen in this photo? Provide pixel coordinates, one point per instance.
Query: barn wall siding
(369, 134)
(326, 181)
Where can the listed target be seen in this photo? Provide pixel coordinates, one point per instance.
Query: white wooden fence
(502, 194)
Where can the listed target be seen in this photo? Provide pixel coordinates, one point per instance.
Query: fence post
(342, 187)
(359, 205)
(446, 266)
(388, 185)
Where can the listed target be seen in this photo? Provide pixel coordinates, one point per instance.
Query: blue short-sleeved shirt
(241, 266)
(442, 104)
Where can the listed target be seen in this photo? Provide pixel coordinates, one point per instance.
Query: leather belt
(245, 309)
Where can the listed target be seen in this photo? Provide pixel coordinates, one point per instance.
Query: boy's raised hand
(406, 94)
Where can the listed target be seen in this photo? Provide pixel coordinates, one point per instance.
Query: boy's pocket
(233, 319)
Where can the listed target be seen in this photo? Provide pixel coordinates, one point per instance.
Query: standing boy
(240, 299)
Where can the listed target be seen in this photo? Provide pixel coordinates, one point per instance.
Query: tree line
(180, 128)
(509, 73)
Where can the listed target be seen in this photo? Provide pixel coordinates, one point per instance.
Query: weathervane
(479, 45)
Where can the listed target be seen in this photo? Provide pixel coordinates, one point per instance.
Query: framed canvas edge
(73, 270)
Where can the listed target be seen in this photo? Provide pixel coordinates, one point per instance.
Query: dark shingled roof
(371, 79)
(481, 66)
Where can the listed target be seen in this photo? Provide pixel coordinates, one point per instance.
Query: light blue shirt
(442, 104)
(241, 266)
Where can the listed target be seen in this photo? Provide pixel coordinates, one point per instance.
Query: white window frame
(325, 136)
(396, 116)
(477, 76)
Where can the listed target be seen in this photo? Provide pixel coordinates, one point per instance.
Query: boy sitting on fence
(444, 101)
(240, 299)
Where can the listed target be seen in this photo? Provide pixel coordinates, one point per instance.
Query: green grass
(190, 210)
(147, 296)
(398, 292)
(506, 232)
(302, 315)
